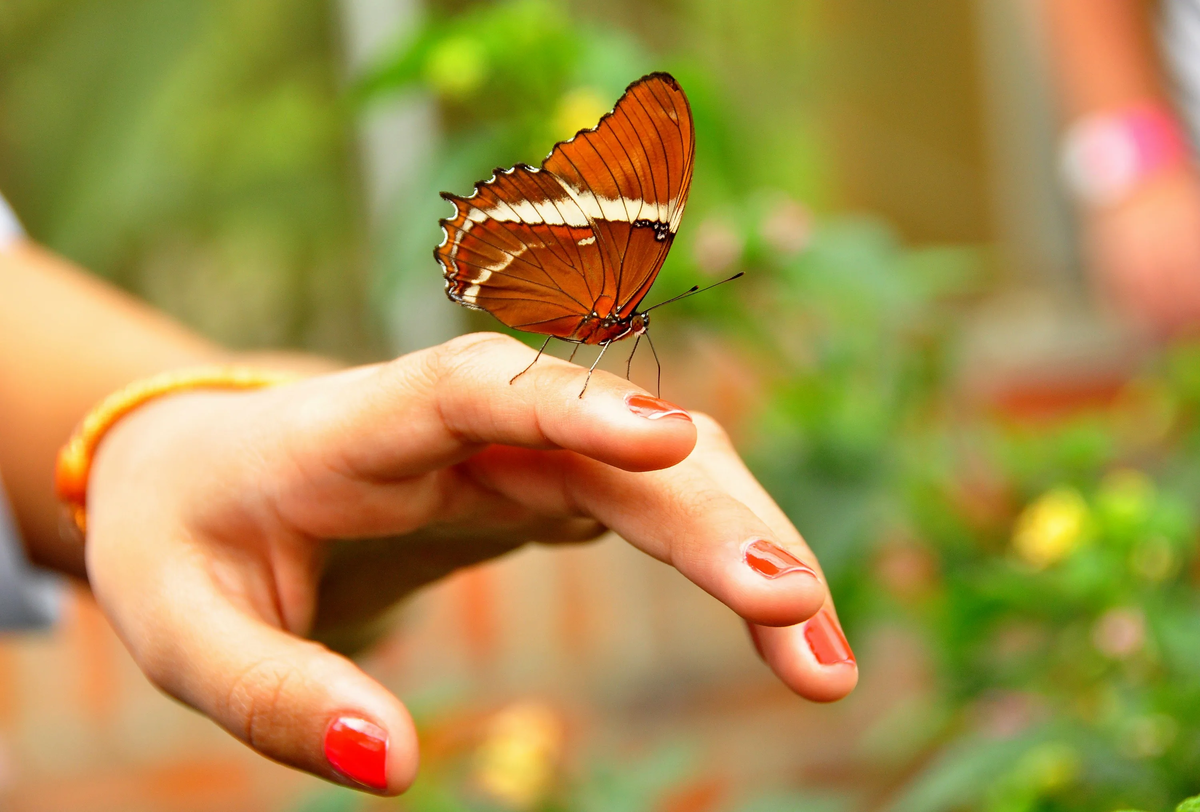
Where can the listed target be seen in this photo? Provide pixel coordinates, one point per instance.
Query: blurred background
(999, 473)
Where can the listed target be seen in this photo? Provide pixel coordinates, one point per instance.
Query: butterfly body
(570, 249)
(598, 329)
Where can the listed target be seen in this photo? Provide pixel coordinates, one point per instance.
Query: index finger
(438, 406)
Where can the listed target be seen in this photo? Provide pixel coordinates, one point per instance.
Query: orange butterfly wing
(553, 250)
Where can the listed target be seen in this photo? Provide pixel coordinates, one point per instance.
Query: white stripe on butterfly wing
(544, 212)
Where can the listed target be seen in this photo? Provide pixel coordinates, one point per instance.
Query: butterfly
(570, 249)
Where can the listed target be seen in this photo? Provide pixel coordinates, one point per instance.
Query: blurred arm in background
(1129, 154)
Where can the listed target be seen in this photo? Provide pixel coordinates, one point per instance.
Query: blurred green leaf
(332, 800)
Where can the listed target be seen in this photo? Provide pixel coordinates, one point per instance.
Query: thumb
(290, 699)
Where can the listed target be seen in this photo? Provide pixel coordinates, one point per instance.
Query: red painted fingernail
(358, 750)
(771, 561)
(826, 640)
(654, 408)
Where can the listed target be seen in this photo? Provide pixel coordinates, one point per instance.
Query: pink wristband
(1104, 156)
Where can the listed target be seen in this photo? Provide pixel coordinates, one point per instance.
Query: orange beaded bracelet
(75, 458)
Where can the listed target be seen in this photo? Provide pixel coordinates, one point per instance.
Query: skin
(228, 532)
(1144, 252)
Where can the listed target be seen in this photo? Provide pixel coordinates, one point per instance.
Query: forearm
(1103, 54)
(68, 339)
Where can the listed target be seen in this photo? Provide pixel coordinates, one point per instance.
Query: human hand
(1145, 252)
(210, 516)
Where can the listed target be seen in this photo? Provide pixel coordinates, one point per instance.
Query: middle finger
(684, 516)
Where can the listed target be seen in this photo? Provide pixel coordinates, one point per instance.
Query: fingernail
(826, 640)
(654, 408)
(771, 561)
(358, 750)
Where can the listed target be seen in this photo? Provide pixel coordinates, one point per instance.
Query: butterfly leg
(531, 363)
(575, 350)
(588, 379)
(629, 363)
(657, 363)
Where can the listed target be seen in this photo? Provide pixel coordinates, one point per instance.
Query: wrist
(75, 459)
(1104, 157)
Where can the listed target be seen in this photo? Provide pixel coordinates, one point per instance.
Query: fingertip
(834, 688)
(782, 607)
(369, 740)
(674, 431)
(404, 758)
(654, 409)
(382, 759)
(812, 658)
(767, 585)
(625, 427)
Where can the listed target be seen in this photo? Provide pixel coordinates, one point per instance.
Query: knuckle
(254, 706)
(458, 353)
(701, 499)
(684, 547)
(464, 360)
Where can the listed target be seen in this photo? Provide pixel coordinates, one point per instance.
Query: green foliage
(1048, 575)
(196, 153)
(502, 66)
(790, 802)
(1053, 579)
(332, 800)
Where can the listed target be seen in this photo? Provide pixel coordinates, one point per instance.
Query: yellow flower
(578, 109)
(1051, 528)
(519, 755)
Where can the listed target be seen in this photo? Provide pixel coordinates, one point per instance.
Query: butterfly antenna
(629, 363)
(535, 360)
(658, 391)
(694, 289)
(588, 379)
